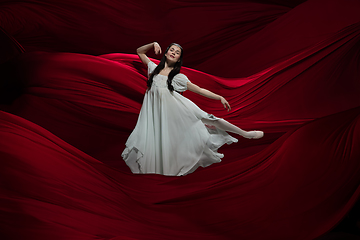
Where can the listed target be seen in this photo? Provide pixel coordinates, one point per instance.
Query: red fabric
(289, 68)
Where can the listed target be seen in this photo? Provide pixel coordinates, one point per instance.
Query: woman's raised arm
(141, 51)
(204, 92)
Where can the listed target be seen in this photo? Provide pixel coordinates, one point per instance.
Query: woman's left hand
(225, 103)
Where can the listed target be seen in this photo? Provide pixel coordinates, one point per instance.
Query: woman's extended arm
(196, 89)
(143, 49)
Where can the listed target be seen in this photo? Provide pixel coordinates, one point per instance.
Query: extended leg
(226, 126)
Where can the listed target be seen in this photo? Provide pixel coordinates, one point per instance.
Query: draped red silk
(289, 68)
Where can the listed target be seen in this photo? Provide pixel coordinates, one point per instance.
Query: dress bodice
(160, 81)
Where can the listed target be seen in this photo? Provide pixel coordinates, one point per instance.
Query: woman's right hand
(157, 48)
(141, 51)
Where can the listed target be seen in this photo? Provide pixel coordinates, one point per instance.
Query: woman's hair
(161, 65)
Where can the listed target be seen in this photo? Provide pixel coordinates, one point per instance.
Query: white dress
(169, 137)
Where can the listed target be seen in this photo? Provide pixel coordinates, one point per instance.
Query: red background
(289, 68)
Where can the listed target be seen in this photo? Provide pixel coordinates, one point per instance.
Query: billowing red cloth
(289, 68)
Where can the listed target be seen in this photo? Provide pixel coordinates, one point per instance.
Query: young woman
(173, 136)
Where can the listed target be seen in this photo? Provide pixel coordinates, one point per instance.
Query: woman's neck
(169, 66)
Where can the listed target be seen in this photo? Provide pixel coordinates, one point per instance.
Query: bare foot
(254, 134)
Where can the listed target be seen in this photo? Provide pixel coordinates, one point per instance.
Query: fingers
(226, 105)
(157, 48)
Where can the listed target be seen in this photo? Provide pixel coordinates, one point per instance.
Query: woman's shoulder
(151, 64)
(181, 77)
(151, 67)
(180, 82)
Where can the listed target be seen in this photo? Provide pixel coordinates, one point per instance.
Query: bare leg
(226, 126)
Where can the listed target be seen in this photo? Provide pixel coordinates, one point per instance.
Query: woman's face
(173, 54)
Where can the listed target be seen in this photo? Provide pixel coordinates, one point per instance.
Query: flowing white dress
(169, 137)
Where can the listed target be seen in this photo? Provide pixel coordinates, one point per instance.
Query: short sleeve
(151, 67)
(179, 82)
